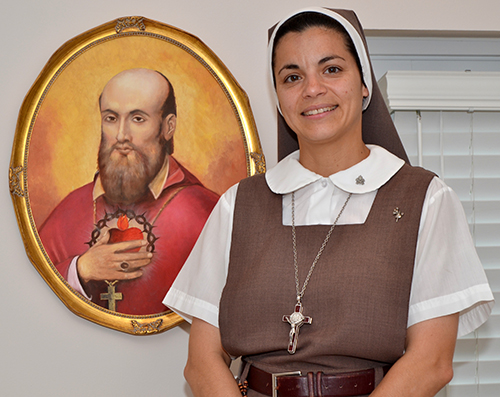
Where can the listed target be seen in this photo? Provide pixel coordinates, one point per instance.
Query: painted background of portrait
(66, 135)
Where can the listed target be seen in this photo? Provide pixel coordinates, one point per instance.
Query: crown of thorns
(130, 214)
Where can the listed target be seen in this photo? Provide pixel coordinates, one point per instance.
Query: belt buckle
(275, 380)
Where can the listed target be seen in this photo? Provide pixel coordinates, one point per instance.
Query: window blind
(450, 123)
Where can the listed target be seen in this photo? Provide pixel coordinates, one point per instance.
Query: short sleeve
(198, 287)
(448, 276)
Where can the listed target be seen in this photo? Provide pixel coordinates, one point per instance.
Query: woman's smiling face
(319, 87)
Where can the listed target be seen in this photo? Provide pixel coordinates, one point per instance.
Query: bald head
(142, 83)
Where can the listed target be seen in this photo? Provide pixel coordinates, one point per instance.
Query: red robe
(68, 229)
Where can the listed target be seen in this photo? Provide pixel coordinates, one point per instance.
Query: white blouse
(448, 276)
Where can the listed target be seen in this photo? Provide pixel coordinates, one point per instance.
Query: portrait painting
(124, 144)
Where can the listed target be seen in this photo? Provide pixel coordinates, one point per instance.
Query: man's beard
(125, 178)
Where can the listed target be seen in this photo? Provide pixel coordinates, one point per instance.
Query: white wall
(45, 350)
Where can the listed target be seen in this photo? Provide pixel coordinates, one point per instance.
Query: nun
(342, 271)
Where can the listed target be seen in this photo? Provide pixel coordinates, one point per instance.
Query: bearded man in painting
(121, 239)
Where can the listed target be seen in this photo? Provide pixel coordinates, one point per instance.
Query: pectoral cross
(296, 320)
(111, 296)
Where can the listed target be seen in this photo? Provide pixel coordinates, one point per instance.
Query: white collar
(366, 176)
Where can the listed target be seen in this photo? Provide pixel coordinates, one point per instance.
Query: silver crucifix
(296, 320)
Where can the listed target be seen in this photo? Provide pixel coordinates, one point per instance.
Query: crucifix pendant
(296, 320)
(111, 296)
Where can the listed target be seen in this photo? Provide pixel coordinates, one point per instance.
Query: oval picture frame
(58, 136)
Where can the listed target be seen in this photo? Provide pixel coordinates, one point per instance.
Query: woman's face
(319, 87)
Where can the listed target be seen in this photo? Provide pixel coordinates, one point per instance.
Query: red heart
(117, 235)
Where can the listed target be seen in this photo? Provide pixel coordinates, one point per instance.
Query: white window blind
(449, 123)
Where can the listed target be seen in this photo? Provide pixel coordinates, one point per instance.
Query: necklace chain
(300, 292)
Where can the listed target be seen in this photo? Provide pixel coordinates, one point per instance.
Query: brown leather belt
(292, 384)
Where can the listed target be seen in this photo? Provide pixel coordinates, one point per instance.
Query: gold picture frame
(57, 136)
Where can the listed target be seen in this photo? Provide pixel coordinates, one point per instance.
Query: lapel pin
(360, 180)
(397, 214)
